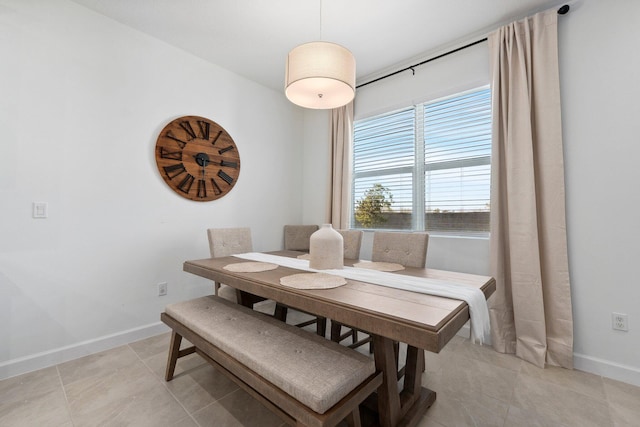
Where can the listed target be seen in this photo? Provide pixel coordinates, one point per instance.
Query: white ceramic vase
(326, 249)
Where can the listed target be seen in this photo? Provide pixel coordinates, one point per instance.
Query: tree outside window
(370, 209)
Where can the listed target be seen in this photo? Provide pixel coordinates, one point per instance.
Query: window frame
(420, 167)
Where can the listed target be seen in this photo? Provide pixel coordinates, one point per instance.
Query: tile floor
(475, 387)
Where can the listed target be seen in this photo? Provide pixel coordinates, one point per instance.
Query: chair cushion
(315, 371)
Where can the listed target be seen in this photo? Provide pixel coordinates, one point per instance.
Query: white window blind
(434, 159)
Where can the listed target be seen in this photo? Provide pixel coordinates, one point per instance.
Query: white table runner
(478, 309)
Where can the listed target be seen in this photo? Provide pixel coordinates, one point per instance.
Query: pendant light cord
(320, 20)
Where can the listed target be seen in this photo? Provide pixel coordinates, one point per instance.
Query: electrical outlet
(162, 289)
(620, 322)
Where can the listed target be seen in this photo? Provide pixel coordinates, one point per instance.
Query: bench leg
(174, 353)
(353, 419)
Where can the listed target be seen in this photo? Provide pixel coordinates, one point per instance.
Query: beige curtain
(531, 313)
(341, 136)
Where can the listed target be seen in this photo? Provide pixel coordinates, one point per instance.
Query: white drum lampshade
(320, 75)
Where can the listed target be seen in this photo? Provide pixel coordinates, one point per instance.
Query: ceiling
(252, 37)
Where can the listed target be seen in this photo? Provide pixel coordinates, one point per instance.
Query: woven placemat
(313, 281)
(250, 267)
(379, 266)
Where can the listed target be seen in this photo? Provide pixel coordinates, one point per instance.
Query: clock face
(197, 158)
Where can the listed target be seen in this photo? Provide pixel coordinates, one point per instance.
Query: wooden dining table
(390, 315)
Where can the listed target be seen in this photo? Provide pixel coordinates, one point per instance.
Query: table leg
(404, 408)
(413, 370)
(388, 397)
(247, 299)
(414, 398)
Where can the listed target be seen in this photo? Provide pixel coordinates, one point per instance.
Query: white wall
(82, 100)
(600, 88)
(599, 62)
(316, 163)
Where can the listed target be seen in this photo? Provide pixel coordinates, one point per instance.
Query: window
(425, 167)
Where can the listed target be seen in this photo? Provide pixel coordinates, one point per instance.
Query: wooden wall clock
(197, 158)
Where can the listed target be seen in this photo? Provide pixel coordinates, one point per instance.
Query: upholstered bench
(304, 378)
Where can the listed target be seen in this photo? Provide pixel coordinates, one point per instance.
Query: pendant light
(320, 75)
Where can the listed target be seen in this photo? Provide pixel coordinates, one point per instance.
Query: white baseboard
(22, 365)
(593, 365)
(606, 368)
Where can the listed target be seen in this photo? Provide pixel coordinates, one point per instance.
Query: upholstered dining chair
(227, 242)
(405, 248)
(352, 242)
(408, 249)
(298, 238)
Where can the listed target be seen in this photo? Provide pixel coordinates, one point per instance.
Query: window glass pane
(458, 127)
(397, 189)
(458, 199)
(383, 159)
(457, 163)
(384, 142)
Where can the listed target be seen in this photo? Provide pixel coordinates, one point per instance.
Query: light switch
(39, 210)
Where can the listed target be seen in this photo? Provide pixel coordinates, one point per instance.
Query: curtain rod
(563, 10)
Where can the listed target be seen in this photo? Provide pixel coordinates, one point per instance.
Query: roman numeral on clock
(188, 129)
(204, 129)
(225, 177)
(216, 189)
(202, 188)
(224, 163)
(180, 142)
(173, 155)
(225, 149)
(174, 170)
(216, 138)
(186, 183)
